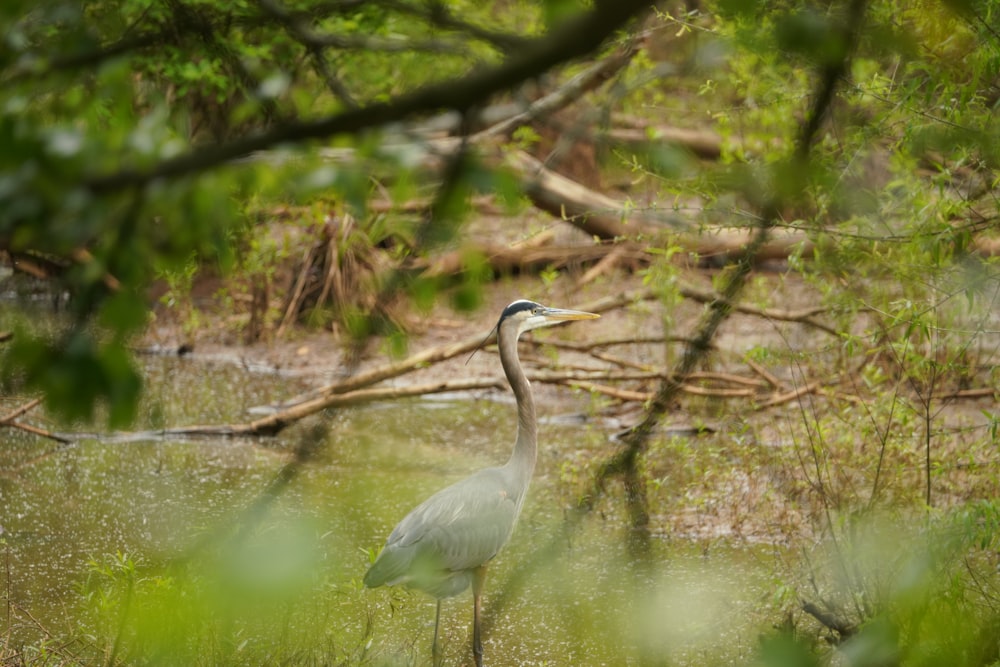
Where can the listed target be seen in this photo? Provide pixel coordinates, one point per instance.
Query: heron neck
(522, 460)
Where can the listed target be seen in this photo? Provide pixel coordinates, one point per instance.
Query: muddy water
(294, 576)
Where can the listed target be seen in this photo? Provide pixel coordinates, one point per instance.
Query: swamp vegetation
(248, 248)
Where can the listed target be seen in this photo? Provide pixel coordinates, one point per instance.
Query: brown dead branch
(618, 361)
(508, 259)
(764, 373)
(444, 352)
(981, 392)
(603, 266)
(504, 259)
(625, 395)
(359, 388)
(381, 373)
(643, 396)
(595, 213)
(804, 316)
(607, 218)
(589, 346)
(20, 410)
(785, 397)
(702, 143)
(41, 432)
(273, 424)
(829, 620)
(481, 203)
(349, 391)
(10, 420)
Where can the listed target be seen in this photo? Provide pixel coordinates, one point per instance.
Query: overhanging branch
(571, 40)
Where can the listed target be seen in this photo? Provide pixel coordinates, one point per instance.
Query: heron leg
(478, 579)
(435, 651)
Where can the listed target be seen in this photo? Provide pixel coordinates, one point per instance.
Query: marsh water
(78, 520)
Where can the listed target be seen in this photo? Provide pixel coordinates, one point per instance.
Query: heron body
(444, 545)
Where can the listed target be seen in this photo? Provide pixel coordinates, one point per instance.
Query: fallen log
(701, 143)
(505, 260)
(607, 218)
(274, 423)
(10, 420)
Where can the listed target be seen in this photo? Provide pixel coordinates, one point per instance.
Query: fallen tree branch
(626, 395)
(981, 392)
(608, 218)
(843, 628)
(358, 388)
(593, 212)
(10, 420)
(274, 423)
(505, 259)
(764, 373)
(804, 316)
(787, 396)
(589, 346)
(643, 396)
(20, 410)
(439, 353)
(702, 143)
(355, 389)
(375, 375)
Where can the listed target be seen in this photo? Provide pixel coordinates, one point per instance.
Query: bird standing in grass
(446, 543)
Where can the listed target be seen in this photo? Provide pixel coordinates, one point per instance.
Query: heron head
(528, 315)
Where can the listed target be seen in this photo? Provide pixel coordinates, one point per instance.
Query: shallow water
(290, 585)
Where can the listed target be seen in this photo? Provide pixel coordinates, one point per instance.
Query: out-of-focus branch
(567, 93)
(10, 419)
(302, 33)
(623, 464)
(571, 40)
(437, 13)
(190, 19)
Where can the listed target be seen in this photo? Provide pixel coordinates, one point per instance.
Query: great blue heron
(446, 542)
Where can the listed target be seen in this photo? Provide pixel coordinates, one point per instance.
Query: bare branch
(10, 420)
(567, 93)
(27, 407)
(842, 627)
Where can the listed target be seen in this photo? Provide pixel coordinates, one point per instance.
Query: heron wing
(457, 529)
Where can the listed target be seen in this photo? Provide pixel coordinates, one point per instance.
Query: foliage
(129, 135)
(98, 95)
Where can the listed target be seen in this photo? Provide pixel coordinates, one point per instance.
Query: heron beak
(562, 314)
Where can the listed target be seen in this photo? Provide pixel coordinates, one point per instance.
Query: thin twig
(785, 397)
(764, 373)
(41, 432)
(17, 412)
(10, 420)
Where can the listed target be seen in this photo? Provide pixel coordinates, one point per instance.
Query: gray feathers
(457, 529)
